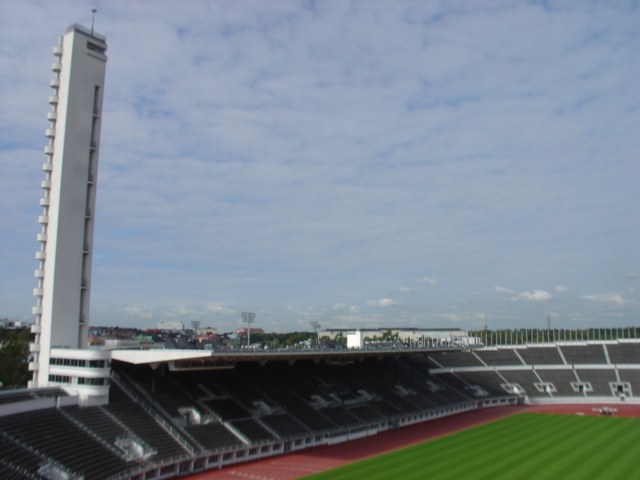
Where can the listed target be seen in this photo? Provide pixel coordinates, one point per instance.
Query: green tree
(14, 357)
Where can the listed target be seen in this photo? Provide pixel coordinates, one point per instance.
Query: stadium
(157, 413)
(179, 417)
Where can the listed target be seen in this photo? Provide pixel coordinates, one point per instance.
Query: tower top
(85, 31)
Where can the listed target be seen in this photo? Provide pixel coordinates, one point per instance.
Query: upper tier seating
(535, 355)
(500, 356)
(583, 354)
(624, 353)
(462, 359)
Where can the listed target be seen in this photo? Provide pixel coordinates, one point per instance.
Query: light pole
(248, 318)
(315, 325)
(195, 324)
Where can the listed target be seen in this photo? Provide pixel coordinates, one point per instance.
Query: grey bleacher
(583, 354)
(226, 408)
(213, 436)
(365, 413)
(489, 380)
(413, 375)
(56, 437)
(98, 422)
(599, 380)
(633, 377)
(297, 407)
(252, 430)
(455, 359)
(453, 381)
(384, 408)
(383, 380)
(163, 390)
(340, 416)
(501, 356)
(447, 392)
(385, 391)
(234, 384)
(136, 419)
(284, 425)
(624, 353)
(561, 380)
(525, 378)
(17, 461)
(541, 355)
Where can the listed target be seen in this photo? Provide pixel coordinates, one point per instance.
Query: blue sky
(360, 164)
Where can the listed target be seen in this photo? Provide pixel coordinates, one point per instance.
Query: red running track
(319, 459)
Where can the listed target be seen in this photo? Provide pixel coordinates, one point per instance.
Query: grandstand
(167, 421)
(563, 372)
(170, 420)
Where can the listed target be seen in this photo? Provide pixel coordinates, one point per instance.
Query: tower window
(95, 48)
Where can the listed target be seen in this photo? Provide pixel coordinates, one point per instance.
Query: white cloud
(632, 275)
(561, 289)
(383, 302)
(502, 290)
(344, 306)
(131, 313)
(297, 311)
(607, 298)
(217, 309)
(405, 290)
(291, 156)
(536, 296)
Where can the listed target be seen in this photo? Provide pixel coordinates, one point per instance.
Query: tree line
(14, 358)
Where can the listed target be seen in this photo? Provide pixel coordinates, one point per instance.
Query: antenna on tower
(93, 18)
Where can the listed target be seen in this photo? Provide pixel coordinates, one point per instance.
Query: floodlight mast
(315, 325)
(248, 318)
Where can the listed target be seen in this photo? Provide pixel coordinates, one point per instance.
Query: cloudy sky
(359, 164)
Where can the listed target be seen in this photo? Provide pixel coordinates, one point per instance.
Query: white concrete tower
(68, 202)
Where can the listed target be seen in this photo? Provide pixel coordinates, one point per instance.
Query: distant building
(203, 330)
(407, 335)
(171, 326)
(243, 331)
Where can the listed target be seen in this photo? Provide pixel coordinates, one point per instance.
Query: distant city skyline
(362, 164)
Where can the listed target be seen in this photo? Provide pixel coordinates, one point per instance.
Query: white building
(59, 352)
(171, 326)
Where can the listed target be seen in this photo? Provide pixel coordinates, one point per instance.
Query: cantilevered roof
(180, 359)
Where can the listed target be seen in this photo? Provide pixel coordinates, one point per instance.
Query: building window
(96, 48)
(93, 381)
(59, 379)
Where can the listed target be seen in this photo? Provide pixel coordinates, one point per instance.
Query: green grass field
(525, 446)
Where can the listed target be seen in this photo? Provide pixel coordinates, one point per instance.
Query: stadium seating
(536, 355)
(55, 437)
(203, 419)
(583, 354)
(462, 359)
(624, 353)
(501, 356)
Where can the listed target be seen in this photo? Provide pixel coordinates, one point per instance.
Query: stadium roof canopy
(181, 359)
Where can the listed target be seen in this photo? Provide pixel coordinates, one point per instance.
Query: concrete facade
(68, 202)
